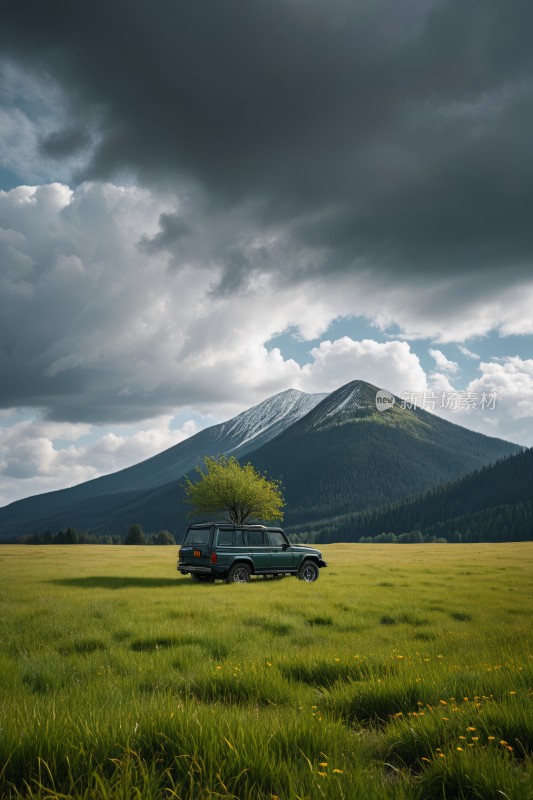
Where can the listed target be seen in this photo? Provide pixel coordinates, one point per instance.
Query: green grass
(404, 672)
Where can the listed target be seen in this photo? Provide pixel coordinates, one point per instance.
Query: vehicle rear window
(197, 536)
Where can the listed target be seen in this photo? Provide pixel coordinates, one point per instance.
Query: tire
(308, 572)
(239, 573)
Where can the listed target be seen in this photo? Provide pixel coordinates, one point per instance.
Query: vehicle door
(259, 549)
(195, 549)
(281, 553)
(230, 544)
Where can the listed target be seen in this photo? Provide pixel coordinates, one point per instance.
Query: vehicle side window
(239, 538)
(225, 537)
(277, 539)
(255, 538)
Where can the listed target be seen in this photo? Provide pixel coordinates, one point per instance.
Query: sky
(205, 203)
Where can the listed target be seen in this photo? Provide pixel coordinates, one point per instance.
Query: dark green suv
(220, 550)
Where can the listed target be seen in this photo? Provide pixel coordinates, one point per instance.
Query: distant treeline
(136, 535)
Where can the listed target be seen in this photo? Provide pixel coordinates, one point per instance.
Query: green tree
(164, 537)
(238, 491)
(135, 535)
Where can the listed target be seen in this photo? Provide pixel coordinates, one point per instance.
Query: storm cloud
(380, 135)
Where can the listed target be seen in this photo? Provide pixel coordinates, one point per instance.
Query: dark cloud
(65, 143)
(172, 229)
(390, 134)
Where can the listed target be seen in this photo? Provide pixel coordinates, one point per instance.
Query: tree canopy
(135, 535)
(239, 491)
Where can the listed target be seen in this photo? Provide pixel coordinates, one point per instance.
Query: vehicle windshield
(197, 536)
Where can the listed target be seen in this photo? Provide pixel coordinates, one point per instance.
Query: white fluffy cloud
(497, 403)
(390, 365)
(38, 456)
(444, 363)
(468, 353)
(511, 381)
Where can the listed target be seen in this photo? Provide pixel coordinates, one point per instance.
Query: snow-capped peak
(269, 418)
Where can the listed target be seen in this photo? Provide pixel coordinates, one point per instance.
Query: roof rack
(226, 524)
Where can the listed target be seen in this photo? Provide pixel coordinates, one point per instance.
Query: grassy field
(404, 672)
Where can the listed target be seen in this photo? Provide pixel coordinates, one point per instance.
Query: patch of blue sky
(9, 179)
(13, 416)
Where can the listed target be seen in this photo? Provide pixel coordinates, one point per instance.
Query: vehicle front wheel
(308, 572)
(239, 573)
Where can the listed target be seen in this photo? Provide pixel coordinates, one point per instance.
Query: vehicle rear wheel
(239, 573)
(308, 572)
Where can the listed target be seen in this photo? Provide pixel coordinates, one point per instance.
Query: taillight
(213, 558)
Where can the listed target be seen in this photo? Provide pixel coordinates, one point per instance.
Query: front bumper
(322, 563)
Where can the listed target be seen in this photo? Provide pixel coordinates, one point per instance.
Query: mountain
(492, 504)
(93, 505)
(335, 454)
(345, 455)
